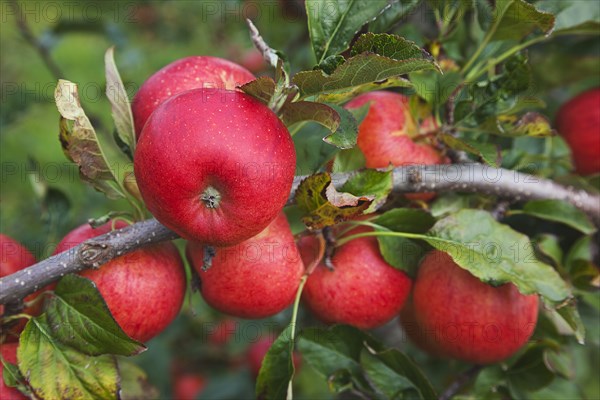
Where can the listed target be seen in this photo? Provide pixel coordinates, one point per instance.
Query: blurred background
(42, 198)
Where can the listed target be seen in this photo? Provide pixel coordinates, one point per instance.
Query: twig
(473, 178)
(460, 381)
(90, 254)
(34, 42)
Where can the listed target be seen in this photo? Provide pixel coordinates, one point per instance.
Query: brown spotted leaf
(80, 142)
(56, 371)
(324, 205)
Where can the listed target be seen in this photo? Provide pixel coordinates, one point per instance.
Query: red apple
(14, 257)
(578, 121)
(460, 317)
(215, 166)
(254, 279)
(144, 289)
(188, 386)
(9, 353)
(185, 74)
(363, 290)
(386, 134)
(257, 352)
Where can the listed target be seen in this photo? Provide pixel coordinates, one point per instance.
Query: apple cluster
(216, 166)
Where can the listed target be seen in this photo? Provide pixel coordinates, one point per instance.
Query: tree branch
(89, 254)
(473, 178)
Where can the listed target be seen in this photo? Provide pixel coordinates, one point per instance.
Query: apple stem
(330, 245)
(209, 253)
(211, 197)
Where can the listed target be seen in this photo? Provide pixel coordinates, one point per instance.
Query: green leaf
(560, 362)
(117, 95)
(372, 183)
(277, 368)
(78, 317)
(434, 87)
(333, 24)
(591, 28)
(341, 122)
(488, 152)
(324, 205)
(392, 15)
(391, 46)
(359, 70)
(393, 373)
(496, 254)
(348, 160)
(570, 315)
(401, 253)
(80, 143)
(55, 371)
(549, 247)
(312, 153)
(516, 19)
(546, 157)
(584, 275)
(560, 211)
(12, 377)
(343, 95)
(299, 111)
(573, 17)
(333, 352)
(498, 96)
(134, 382)
(262, 88)
(529, 372)
(384, 379)
(331, 63)
(580, 250)
(344, 137)
(406, 220)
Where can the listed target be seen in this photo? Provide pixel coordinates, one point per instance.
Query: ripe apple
(188, 386)
(9, 353)
(386, 134)
(144, 289)
(215, 166)
(14, 257)
(363, 290)
(257, 352)
(254, 279)
(458, 316)
(578, 121)
(181, 75)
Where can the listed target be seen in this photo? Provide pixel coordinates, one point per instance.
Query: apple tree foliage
(475, 77)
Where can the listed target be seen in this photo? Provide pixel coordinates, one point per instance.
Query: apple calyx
(211, 197)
